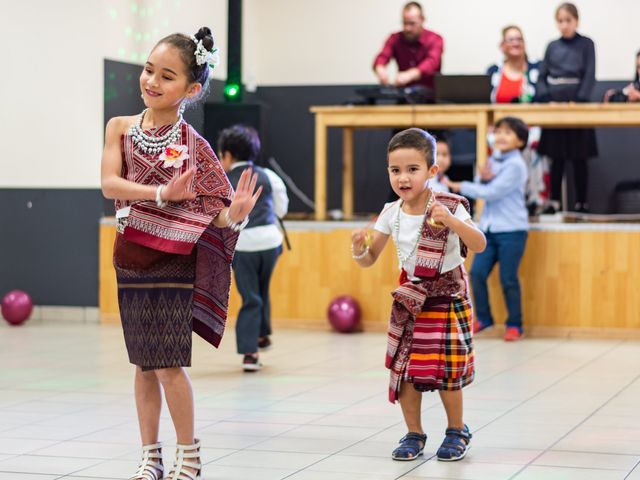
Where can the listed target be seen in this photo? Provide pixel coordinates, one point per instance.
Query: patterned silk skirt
(436, 350)
(155, 294)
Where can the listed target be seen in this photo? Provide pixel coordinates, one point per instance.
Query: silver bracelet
(235, 226)
(360, 256)
(159, 202)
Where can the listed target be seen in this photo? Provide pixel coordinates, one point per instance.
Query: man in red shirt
(417, 51)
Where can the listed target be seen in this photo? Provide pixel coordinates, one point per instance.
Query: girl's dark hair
(417, 139)
(517, 126)
(570, 8)
(242, 142)
(637, 79)
(187, 48)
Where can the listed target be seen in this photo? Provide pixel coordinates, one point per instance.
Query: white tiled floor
(539, 409)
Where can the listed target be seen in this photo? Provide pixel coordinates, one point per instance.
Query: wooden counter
(478, 117)
(576, 278)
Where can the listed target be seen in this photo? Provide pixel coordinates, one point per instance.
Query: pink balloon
(344, 314)
(16, 307)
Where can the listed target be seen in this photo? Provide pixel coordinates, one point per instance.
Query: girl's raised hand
(245, 197)
(177, 190)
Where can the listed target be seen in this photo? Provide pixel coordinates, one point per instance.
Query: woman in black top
(567, 74)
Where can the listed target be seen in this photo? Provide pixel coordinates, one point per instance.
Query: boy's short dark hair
(417, 139)
(517, 126)
(242, 142)
(443, 138)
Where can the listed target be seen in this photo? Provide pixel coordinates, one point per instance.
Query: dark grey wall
(49, 244)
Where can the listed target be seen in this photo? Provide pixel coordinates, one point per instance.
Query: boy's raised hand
(359, 239)
(486, 174)
(441, 214)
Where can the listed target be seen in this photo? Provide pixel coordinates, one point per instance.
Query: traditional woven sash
(179, 227)
(433, 240)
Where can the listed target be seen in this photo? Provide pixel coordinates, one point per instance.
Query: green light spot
(134, 7)
(134, 57)
(231, 90)
(122, 52)
(129, 77)
(143, 12)
(147, 37)
(155, 32)
(128, 31)
(112, 75)
(113, 13)
(138, 36)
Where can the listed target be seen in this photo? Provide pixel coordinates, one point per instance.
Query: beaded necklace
(150, 144)
(403, 259)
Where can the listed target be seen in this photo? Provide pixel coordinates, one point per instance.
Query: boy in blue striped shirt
(504, 221)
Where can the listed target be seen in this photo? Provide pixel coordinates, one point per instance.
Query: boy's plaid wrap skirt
(430, 341)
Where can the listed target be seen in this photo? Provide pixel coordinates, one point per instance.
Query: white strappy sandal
(151, 464)
(185, 458)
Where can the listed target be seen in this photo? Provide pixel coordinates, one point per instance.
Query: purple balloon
(344, 314)
(16, 307)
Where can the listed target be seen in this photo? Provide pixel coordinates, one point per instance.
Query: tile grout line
(632, 470)
(400, 422)
(501, 372)
(636, 378)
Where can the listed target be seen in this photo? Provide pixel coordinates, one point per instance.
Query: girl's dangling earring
(182, 108)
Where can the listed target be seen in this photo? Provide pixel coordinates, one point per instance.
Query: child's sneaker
(478, 326)
(512, 334)
(251, 363)
(264, 343)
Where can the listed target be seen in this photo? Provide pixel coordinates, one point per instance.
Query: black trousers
(252, 272)
(580, 177)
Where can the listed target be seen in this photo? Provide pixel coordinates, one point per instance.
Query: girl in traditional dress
(430, 340)
(178, 221)
(568, 74)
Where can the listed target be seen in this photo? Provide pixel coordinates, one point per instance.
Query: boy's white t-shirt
(409, 226)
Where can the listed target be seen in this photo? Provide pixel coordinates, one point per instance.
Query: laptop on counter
(462, 88)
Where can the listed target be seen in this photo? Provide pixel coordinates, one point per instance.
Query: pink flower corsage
(174, 156)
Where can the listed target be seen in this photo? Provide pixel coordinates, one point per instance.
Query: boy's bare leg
(411, 403)
(452, 401)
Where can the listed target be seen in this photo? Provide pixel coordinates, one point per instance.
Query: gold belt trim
(157, 285)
